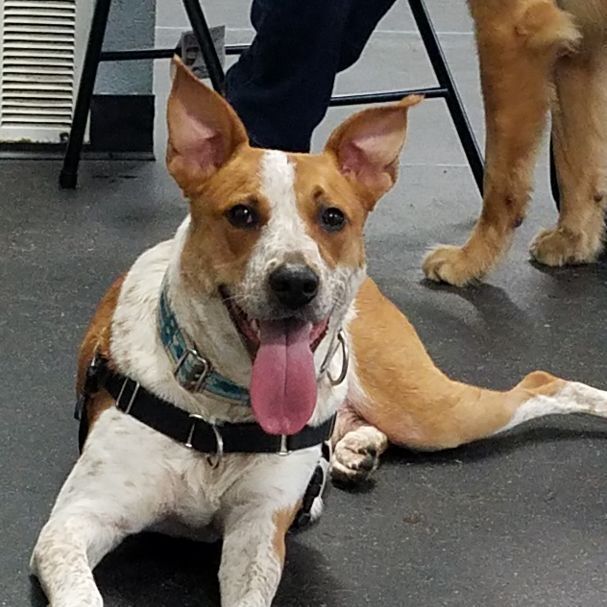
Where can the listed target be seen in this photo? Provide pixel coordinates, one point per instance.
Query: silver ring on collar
(215, 460)
(345, 360)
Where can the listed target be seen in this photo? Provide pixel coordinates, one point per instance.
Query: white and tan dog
(262, 276)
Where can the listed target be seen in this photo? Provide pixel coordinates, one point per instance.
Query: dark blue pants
(282, 85)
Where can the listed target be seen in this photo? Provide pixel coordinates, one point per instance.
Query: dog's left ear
(367, 146)
(204, 131)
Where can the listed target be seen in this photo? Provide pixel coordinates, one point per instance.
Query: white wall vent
(42, 44)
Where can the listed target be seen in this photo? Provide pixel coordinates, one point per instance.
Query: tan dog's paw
(559, 247)
(356, 455)
(450, 264)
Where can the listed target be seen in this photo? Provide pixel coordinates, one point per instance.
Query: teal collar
(194, 372)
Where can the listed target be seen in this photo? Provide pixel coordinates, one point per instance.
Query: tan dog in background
(536, 56)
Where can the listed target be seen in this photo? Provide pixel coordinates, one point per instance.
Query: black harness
(193, 432)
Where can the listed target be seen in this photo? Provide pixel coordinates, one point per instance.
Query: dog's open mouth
(283, 381)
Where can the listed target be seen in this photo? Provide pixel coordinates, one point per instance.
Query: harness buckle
(215, 458)
(127, 409)
(93, 372)
(196, 373)
(284, 449)
(91, 383)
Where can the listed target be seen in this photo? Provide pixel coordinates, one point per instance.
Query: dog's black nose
(294, 285)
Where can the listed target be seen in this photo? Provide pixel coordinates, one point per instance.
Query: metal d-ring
(329, 356)
(345, 360)
(214, 460)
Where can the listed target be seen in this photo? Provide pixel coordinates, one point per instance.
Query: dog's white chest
(130, 458)
(128, 462)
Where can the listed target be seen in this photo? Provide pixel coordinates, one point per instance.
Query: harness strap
(192, 430)
(315, 490)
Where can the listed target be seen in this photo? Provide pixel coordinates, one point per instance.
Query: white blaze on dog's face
(278, 236)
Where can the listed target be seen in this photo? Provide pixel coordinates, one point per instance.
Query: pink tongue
(283, 384)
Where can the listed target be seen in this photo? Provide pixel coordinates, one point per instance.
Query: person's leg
(362, 21)
(282, 85)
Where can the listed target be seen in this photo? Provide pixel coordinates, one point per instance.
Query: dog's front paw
(450, 264)
(356, 455)
(560, 246)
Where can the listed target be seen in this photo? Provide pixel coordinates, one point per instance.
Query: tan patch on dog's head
(359, 165)
(319, 186)
(210, 159)
(216, 252)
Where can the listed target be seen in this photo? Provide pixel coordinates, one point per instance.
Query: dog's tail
(401, 392)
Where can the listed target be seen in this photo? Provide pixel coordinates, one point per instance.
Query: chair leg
(69, 173)
(554, 179)
(445, 79)
(205, 42)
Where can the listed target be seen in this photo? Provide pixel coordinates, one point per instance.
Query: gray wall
(131, 25)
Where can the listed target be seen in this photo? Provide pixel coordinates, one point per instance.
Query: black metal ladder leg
(68, 177)
(203, 36)
(445, 79)
(554, 178)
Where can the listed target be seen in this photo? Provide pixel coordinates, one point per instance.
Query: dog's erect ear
(367, 146)
(204, 131)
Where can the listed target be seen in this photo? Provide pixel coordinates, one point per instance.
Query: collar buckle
(192, 371)
(195, 372)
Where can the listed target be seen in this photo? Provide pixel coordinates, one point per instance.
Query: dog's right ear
(204, 131)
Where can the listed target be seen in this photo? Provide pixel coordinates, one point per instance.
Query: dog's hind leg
(471, 413)
(415, 405)
(518, 43)
(580, 146)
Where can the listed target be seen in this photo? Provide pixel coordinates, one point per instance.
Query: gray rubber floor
(520, 521)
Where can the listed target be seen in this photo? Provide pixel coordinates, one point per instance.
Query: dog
(211, 372)
(536, 56)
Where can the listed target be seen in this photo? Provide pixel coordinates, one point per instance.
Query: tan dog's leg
(253, 554)
(580, 145)
(357, 447)
(518, 42)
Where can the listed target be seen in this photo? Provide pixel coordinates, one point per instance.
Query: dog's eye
(332, 219)
(243, 216)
